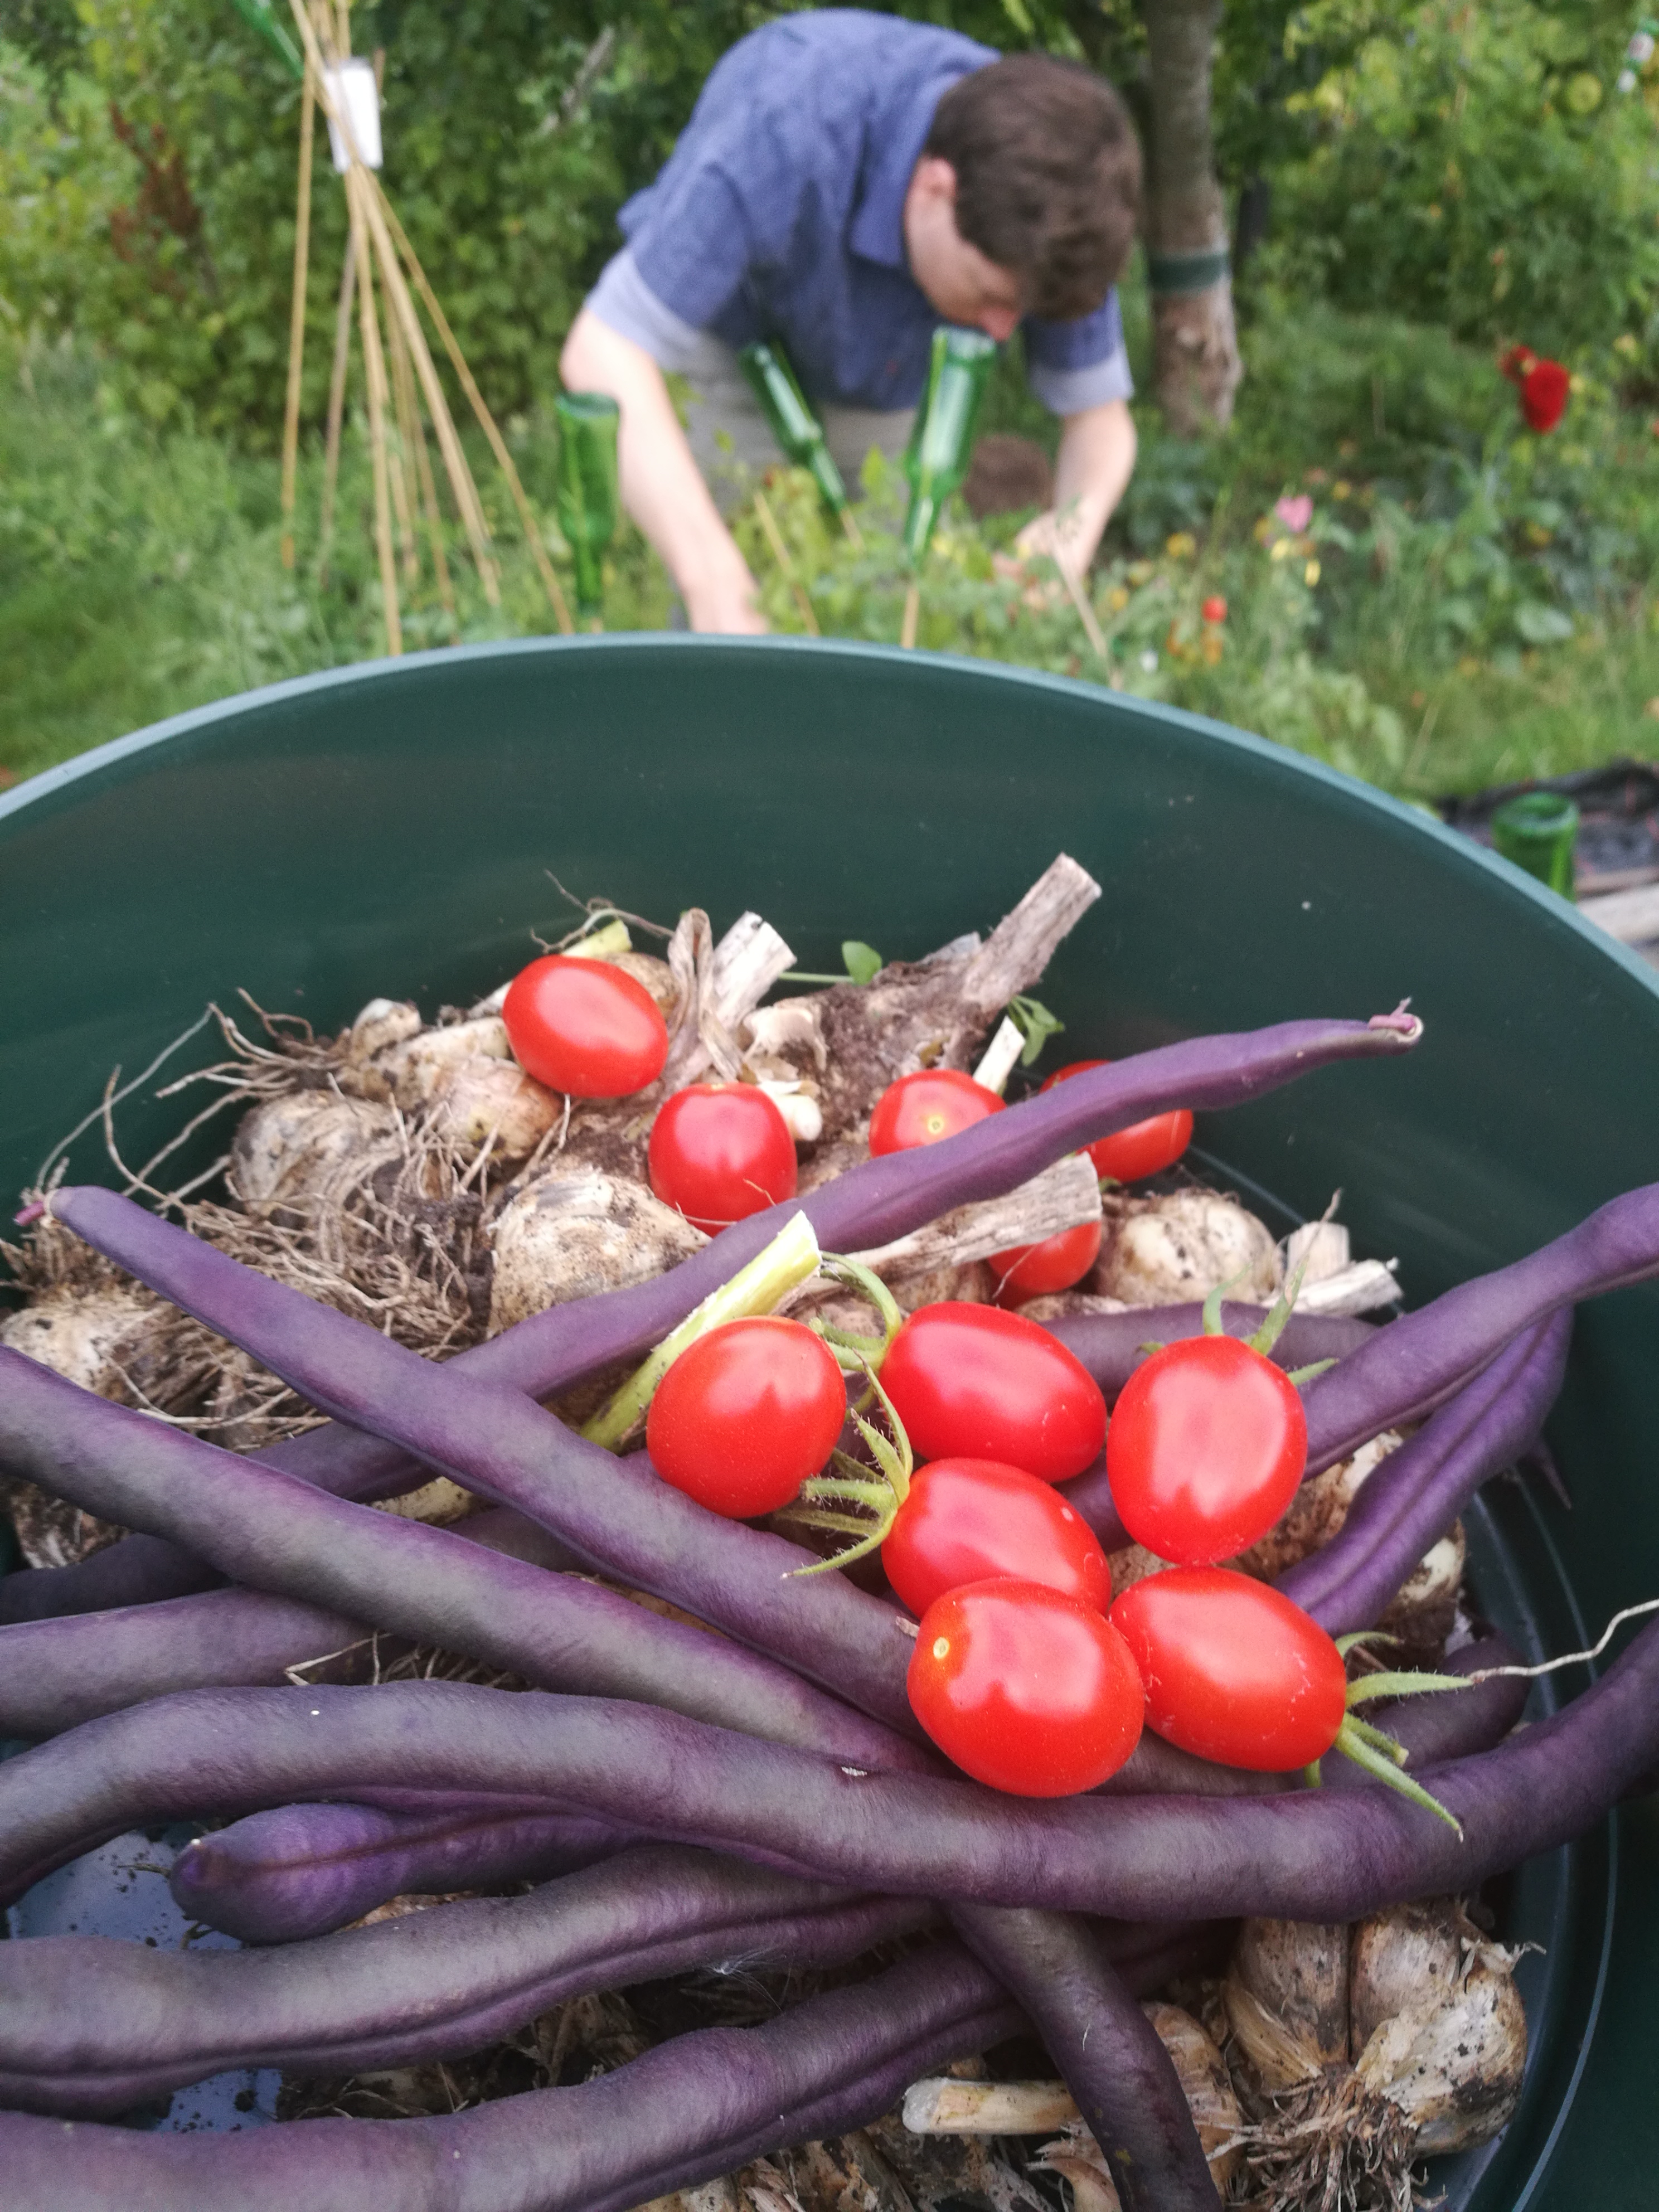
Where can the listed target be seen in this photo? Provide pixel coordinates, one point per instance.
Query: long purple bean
(616, 1513)
(1413, 1366)
(139, 1569)
(869, 1206)
(303, 1870)
(689, 2110)
(90, 2025)
(278, 1533)
(1410, 1501)
(1123, 2079)
(1311, 1854)
(1110, 1346)
(55, 1674)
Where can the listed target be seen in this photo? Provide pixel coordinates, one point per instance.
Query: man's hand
(1096, 461)
(726, 606)
(661, 485)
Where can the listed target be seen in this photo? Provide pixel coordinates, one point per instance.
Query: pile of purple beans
(682, 1800)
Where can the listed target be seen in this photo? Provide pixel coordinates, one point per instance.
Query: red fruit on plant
(745, 1414)
(1029, 1271)
(1144, 1148)
(1024, 1689)
(1233, 1671)
(968, 1520)
(1544, 391)
(972, 1382)
(920, 1108)
(720, 1152)
(1515, 364)
(583, 1027)
(1206, 1447)
(1214, 609)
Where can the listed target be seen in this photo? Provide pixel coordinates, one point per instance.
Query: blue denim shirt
(780, 215)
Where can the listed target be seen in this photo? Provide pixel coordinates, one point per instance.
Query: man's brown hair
(1048, 176)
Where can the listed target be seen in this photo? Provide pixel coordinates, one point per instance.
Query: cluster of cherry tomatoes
(1025, 1673)
(718, 1150)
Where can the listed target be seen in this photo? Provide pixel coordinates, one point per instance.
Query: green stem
(1376, 1763)
(602, 944)
(787, 1261)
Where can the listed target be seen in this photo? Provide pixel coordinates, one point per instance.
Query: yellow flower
(1537, 535)
(1281, 548)
(1468, 665)
(1181, 546)
(1310, 573)
(1116, 599)
(1341, 489)
(1625, 343)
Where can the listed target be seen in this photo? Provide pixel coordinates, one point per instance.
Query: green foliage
(1474, 167)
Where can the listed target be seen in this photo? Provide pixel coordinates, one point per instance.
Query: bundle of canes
(400, 376)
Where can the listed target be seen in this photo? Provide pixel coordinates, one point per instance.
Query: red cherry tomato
(583, 1027)
(1025, 1689)
(745, 1414)
(966, 1520)
(1207, 1445)
(1214, 609)
(1144, 1148)
(1055, 1264)
(976, 1382)
(920, 1110)
(720, 1152)
(1233, 1670)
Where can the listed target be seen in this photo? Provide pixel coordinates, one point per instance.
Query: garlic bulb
(1164, 1251)
(570, 1236)
(1358, 2051)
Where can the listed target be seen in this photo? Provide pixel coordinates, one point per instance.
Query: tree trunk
(1195, 347)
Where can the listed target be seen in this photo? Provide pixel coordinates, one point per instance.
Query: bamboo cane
(375, 378)
(296, 321)
(434, 521)
(1086, 613)
(403, 489)
(363, 193)
(337, 389)
(849, 524)
(912, 617)
(780, 555)
(402, 472)
(487, 422)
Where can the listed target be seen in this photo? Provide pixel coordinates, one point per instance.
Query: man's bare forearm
(661, 485)
(1096, 460)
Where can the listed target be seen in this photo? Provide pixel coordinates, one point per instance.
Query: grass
(1478, 609)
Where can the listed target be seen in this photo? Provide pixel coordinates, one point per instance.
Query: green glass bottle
(588, 504)
(796, 427)
(1539, 831)
(942, 443)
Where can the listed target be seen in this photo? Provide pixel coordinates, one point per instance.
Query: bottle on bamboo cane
(800, 434)
(588, 505)
(942, 443)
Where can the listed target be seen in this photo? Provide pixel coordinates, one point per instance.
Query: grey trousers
(732, 440)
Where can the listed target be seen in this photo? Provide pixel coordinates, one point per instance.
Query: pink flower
(1294, 514)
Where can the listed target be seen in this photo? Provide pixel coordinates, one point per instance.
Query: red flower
(1544, 394)
(1214, 610)
(1517, 363)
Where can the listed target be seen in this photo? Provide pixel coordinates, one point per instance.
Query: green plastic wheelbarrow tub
(395, 829)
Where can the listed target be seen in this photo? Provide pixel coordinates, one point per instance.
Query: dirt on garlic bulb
(570, 1236)
(1359, 2052)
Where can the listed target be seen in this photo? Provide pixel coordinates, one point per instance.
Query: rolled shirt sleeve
(625, 303)
(1081, 364)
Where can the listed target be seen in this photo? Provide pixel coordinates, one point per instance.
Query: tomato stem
(791, 1257)
(860, 1354)
(1350, 1742)
(1280, 1312)
(849, 1478)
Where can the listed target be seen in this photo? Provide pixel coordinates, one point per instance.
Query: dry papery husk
(1358, 2051)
